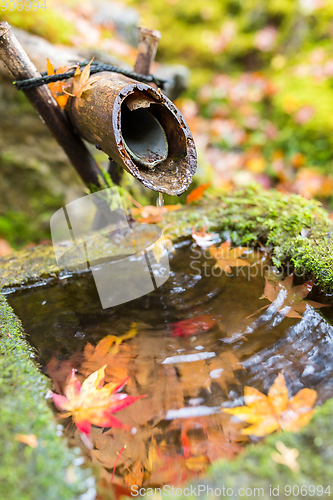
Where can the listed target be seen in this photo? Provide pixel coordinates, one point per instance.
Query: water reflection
(187, 372)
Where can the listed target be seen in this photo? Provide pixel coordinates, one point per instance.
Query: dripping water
(160, 201)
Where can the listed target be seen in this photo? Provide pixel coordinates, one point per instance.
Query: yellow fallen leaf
(257, 165)
(135, 476)
(227, 257)
(153, 459)
(80, 80)
(197, 464)
(274, 411)
(164, 243)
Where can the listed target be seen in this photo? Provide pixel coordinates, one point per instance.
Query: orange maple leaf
(57, 88)
(275, 411)
(197, 193)
(228, 257)
(91, 403)
(111, 352)
(151, 214)
(292, 297)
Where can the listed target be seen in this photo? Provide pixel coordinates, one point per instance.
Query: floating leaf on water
(228, 257)
(290, 297)
(168, 392)
(194, 376)
(222, 369)
(202, 238)
(162, 245)
(275, 411)
(192, 326)
(91, 403)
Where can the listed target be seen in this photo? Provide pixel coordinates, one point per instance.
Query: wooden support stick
(147, 47)
(21, 67)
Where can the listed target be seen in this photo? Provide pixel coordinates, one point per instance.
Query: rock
(38, 49)
(177, 76)
(115, 15)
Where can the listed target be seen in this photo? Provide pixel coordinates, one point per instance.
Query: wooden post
(21, 67)
(147, 47)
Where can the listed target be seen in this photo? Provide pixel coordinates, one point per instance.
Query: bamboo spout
(139, 128)
(143, 136)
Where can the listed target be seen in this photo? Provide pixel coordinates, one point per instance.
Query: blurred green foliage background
(260, 97)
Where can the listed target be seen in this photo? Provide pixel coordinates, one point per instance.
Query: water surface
(197, 345)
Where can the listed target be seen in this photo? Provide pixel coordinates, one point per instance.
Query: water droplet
(160, 201)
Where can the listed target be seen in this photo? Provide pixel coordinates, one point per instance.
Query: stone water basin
(196, 342)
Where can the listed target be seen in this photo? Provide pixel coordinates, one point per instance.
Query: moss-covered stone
(293, 228)
(296, 229)
(44, 472)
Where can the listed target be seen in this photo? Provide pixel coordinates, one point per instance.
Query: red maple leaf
(192, 326)
(91, 403)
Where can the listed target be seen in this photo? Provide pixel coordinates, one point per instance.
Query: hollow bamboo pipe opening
(139, 128)
(144, 137)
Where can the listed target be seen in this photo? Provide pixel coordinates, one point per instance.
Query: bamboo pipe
(139, 128)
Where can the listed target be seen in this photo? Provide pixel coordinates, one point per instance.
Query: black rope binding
(44, 79)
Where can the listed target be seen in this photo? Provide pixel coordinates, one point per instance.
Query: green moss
(293, 228)
(18, 228)
(50, 23)
(29, 473)
(274, 219)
